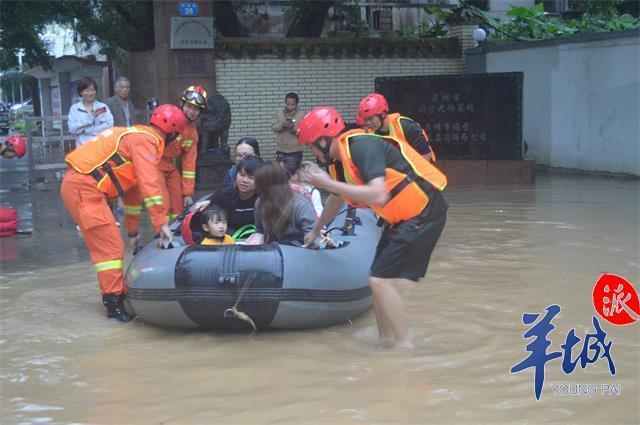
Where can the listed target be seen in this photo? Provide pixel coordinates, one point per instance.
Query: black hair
(213, 212)
(250, 164)
(292, 95)
(84, 83)
(251, 142)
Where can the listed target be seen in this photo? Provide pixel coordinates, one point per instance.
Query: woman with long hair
(280, 213)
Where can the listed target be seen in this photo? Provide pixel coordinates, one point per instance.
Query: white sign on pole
(191, 33)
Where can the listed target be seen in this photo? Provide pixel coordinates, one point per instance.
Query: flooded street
(506, 250)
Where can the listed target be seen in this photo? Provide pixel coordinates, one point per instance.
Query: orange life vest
(100, 158)
(407, 199)
(396, 131)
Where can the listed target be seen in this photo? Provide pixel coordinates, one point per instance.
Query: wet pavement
(506, 250)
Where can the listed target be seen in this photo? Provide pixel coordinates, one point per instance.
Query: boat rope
(233, 312)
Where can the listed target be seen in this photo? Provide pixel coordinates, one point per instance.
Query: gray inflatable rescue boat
(275, 286)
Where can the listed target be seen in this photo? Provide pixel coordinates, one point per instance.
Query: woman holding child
(237, 199)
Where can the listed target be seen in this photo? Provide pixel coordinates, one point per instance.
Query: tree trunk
(226, 20)
(309, 20)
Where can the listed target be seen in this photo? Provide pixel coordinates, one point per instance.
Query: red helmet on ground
(373, 104)
(323, 121)
(19, 144)
(169, 118)
(195, 95)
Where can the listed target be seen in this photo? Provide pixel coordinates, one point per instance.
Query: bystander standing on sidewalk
(285, 123)
(120, 105)
(88, 117)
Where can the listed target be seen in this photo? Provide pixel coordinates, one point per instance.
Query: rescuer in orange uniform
(14, 146)
(121, 162)
(395, 181)
(373, 112)
(179, 189)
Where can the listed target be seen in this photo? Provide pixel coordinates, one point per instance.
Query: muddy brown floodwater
(506, 250)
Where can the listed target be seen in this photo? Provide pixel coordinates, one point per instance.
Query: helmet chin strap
(325, 151)
(182, 109)
(381, 117)
(170, 138)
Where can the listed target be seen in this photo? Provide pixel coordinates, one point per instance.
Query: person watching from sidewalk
(119, 162)
(373, 113)
(402, 187)
(120, 105)
(285, 122)
(88, 117)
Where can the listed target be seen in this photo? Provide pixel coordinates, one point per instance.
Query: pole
(20, 55)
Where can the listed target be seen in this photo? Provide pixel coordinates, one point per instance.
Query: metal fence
(49, 141)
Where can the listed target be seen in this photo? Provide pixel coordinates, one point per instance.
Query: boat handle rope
(234, 313)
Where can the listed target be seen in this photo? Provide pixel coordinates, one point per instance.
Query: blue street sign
(188, 9)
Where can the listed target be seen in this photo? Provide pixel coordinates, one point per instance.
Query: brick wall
(255, 87)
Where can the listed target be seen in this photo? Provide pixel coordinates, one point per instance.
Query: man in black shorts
(400, 185)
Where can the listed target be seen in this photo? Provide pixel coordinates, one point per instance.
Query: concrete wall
(581, 99)
(255, 88)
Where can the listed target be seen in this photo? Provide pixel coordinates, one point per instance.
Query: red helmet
(323, 121)
(19, 144)
(169, 118)
(195, 95)
(373, 104)
(359, 121)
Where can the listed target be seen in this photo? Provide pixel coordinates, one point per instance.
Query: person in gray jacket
(120, 106)
(281, 215)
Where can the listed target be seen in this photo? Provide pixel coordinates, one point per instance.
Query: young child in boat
(214, 223)
(300, 184)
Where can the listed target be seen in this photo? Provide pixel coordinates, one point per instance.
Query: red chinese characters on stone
(616, 300)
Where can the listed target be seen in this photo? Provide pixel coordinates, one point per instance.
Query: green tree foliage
(522, 23)
(116, 24)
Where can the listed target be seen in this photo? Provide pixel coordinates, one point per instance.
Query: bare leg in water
(390, 312)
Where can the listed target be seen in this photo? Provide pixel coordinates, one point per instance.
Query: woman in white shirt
(88, 117)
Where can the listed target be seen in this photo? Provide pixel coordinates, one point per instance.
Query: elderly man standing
(120, 106)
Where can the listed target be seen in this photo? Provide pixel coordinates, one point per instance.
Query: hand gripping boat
(271, 286)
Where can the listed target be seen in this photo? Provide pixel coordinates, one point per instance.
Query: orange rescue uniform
(396, 131)
(130, 155)
(177, 186)
(407, 199)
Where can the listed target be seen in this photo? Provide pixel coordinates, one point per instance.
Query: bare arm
(374, 192)
(332, 207)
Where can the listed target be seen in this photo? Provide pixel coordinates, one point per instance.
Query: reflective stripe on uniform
(172, 216)
(132, 209)
(153, 200)
(187, 143)
(188, 174)
(108, 265)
